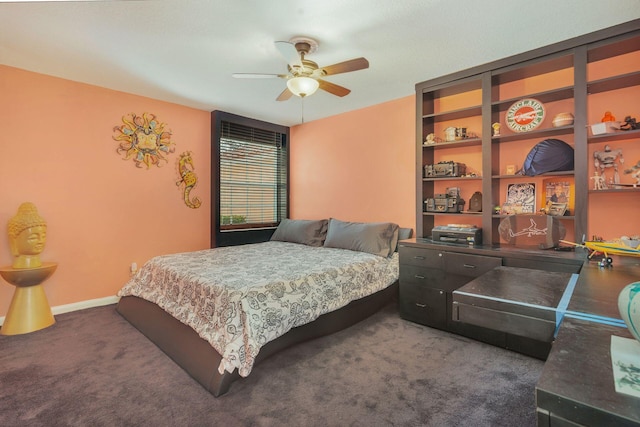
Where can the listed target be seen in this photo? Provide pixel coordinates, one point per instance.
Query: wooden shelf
(616, 190)
(502, 216)
(452, 178)
(546, 175)
(454, 114)
(544, 97)
(513, 72)
(451, 213)
(617, 136)
(537, 133)
(461, 143)
(614, 83)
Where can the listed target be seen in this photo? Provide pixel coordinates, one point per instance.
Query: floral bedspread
(241, 297)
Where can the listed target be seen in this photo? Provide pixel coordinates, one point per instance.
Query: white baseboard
(66, 308)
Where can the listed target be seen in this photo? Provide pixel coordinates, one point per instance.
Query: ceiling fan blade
(258, 76)
(333, 88)
(346, 66)
(285, 95)
(289, 52)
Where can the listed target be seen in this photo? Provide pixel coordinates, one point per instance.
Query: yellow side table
(29, 310)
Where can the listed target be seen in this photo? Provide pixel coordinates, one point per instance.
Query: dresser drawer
(430, 277)
(421, 257)
(423, 305)
(470, 265)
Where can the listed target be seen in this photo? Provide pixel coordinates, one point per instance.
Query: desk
(576, 385)
(597, 289)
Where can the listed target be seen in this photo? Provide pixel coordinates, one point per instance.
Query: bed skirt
(201, 360)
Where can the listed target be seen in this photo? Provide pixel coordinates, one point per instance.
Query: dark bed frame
(201, 360)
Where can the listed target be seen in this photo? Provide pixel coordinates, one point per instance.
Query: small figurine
(461, 133)
(599, 182)
(496, 129)
(607, 159)
(430, 140)
(635, 173)
(450, 134)
(629, 124)
(608, 117)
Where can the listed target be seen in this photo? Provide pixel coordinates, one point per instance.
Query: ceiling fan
(305, 76)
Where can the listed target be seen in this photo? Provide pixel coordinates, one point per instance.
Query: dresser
(431, 272)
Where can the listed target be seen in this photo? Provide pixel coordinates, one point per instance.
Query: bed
(218, 312)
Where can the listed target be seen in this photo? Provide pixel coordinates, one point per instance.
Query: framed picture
(521, 198)
(557, 191)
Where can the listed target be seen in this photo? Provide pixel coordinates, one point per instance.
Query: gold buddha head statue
(27, 236)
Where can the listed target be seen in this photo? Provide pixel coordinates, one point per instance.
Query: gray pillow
(403, 234)
(305, 231)
(378, 238)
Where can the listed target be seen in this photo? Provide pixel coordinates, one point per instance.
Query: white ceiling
(185, 51)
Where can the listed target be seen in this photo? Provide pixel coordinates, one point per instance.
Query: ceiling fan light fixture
(303, 86)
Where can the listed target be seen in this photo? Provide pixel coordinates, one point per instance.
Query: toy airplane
(616, 247)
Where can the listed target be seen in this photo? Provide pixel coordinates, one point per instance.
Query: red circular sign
(525, 115)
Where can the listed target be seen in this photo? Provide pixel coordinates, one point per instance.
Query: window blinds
(253, 177)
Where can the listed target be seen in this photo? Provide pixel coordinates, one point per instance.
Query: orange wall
(103, 213)
(57, 151)
(357, 166)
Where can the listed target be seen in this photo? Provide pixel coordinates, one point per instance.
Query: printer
(457, 233)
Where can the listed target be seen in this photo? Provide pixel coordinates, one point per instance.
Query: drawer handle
(418, 257)
(419, 277)
(421, 305)
(469, 266)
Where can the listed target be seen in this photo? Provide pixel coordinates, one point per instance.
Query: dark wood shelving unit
(568, 59)
(437, 277)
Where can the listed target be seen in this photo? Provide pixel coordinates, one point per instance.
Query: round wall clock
(525, 115)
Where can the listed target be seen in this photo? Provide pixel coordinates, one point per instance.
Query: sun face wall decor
(144, 140)
(188, 178)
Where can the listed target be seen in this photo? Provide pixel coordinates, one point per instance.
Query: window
(251, 171)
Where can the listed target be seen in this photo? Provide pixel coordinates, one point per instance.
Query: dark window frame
(241, 234)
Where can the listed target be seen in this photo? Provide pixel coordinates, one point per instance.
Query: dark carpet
(92, 368)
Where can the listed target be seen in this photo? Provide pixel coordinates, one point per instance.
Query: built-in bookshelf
(583, 76)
